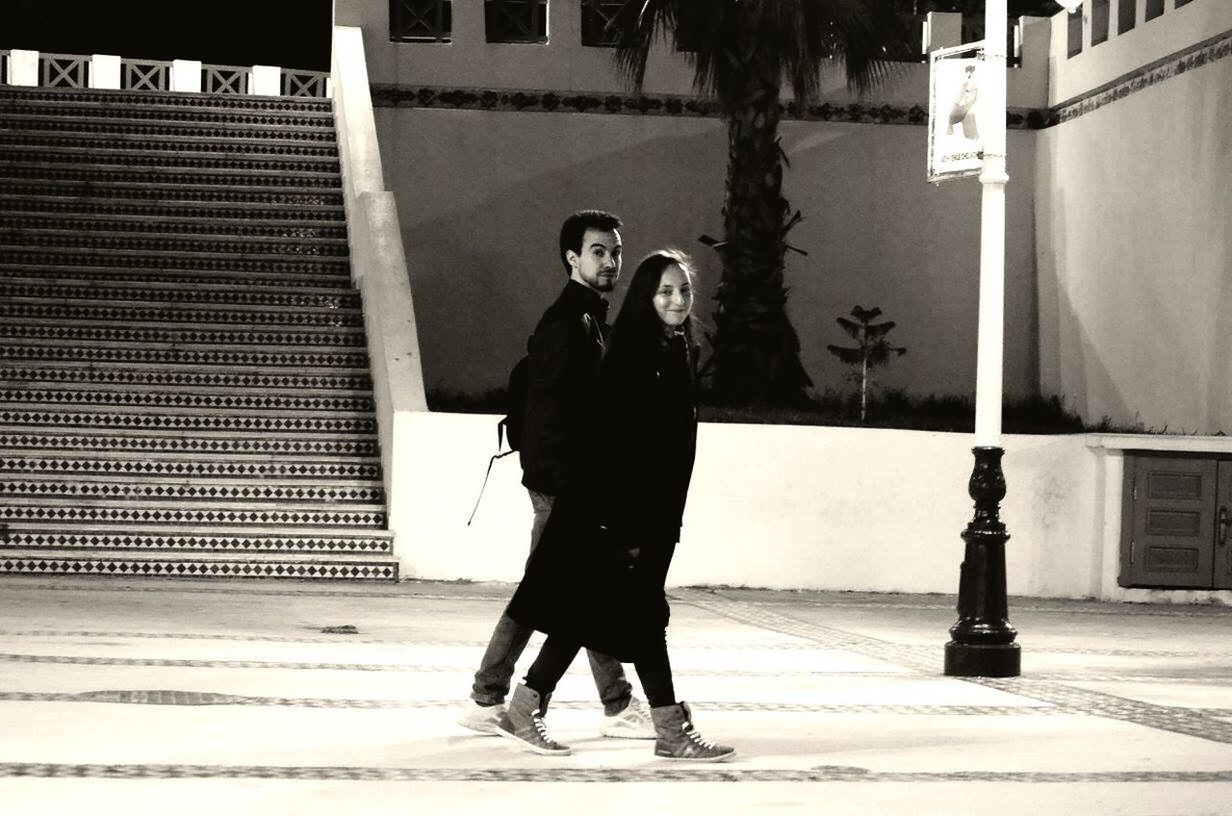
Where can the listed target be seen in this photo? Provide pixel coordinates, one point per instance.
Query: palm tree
(741, 51)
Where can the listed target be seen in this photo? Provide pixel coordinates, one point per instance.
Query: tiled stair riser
(198, 467)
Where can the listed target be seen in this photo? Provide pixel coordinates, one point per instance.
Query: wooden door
(1171, 516)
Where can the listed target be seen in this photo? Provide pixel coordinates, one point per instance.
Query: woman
(597, 577)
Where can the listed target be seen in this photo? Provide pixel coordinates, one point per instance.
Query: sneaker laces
(542, 727)
(692, 734)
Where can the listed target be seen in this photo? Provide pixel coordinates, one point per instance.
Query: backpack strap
(491, 462)
(500, 437)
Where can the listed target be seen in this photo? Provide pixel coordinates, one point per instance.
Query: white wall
(790, 507)
(863, 509)
(1134, 217)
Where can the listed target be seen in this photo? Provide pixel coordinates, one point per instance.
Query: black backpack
(509, 429)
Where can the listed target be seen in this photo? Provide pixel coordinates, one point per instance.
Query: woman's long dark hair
(638, 323)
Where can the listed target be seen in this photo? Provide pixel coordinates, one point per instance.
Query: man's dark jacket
(565, 352)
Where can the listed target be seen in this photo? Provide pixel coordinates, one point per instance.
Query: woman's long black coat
(597, 575)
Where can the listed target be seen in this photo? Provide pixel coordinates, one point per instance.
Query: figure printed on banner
(963, 111)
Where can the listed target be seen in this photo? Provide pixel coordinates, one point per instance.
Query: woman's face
(673, 300)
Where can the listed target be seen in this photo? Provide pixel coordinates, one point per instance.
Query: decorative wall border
(543, 101)
(1197, 55)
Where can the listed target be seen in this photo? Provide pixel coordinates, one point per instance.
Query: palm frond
(636, 26)
(873, 41)
(798, 36)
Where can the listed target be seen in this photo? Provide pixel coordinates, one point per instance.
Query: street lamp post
(982, 641)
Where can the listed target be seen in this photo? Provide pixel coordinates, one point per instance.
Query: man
(565, 351)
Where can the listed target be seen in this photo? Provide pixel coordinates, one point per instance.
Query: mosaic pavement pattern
(1052, 694)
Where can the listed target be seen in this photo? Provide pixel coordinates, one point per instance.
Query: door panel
(1172, 530)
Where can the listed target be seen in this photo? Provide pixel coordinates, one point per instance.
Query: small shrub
(872, 349)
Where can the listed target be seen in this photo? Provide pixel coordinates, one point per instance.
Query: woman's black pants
(653, 669)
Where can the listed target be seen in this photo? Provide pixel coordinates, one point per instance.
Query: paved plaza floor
(181, 697)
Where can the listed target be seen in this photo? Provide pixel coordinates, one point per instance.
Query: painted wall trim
(547, 101)
(1151, 442)
(1208, 51)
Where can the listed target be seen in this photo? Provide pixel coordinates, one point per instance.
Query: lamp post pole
(982, 641)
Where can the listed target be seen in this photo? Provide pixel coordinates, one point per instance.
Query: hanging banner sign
(955, 145)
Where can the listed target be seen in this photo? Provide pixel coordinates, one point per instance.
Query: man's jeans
(509, 640)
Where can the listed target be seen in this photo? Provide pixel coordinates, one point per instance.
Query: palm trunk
(757, 351)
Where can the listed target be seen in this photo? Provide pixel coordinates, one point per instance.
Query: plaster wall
(1134, 256)
(812, 507)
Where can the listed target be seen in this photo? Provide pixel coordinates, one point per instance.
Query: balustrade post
(265, 80)
(23, 67)
(186, 76)
(104, 71)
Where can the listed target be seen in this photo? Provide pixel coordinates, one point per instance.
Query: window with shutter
(516, 21)
(420, 21)
(1099, 21)
(1127, 15)
(596, 14)
(1074, 33)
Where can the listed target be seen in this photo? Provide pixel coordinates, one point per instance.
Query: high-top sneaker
(523, 722)
(678, 739)
(632, 723)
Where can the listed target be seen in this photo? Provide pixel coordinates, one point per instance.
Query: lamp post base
(982, 641)
(973, 660)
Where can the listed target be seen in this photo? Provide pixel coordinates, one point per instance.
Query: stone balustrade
(108, 71)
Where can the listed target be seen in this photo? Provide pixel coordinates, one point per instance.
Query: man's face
(598, 264)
